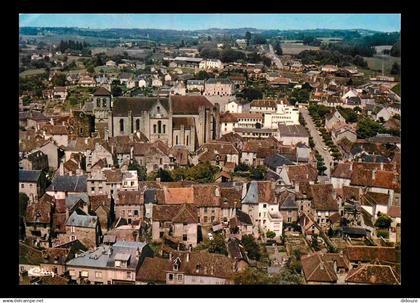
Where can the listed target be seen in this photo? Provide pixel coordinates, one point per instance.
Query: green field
(375, 63)
(296, 48)
(32, 72)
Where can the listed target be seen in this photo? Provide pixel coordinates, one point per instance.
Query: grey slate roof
(289, 203)
(243, 217)
(69, 184)
(82, 220)
(72, 199)
(251, 196)
(218, 80)
(104, 256)
(274, 161)
(150, 196)
(136, 105)
(292, 131)
(29, 175)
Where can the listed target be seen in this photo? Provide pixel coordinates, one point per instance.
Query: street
(319, 144)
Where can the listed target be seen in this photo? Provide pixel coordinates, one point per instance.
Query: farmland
(296, 48)
(375, 63)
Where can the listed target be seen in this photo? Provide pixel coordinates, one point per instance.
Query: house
(53, 153)
(288, 206)
(328, 68)
(328, 268)
(262, 206)
(62, 186)
(101, 205)
(153, 271)
(292, 134)
(32, 183)
(87, 81)
(38, 219)
(152, 155)
(342, 132)
(284, 114)
(36, 160)
(109, 264)
(200, 268)
(373, 274)
(233, 107)
(217, 153)
(130, 181)
(323, 203)
(82, 227)
(195, 86)
(218, 87)
(176, 222)
(241, 223)
(210, 64)
(387, 113)
(293, 174)
(333, 118)
(359, 254)
(149, 200)
(276, 162)
(130, 206)
(60, 92)
(207, 199)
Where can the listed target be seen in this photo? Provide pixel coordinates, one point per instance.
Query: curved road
(319, 143)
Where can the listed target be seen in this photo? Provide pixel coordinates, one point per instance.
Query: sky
(379, 22)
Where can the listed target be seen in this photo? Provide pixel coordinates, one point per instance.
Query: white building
(233, 107)
(285, 114)
(210, 64)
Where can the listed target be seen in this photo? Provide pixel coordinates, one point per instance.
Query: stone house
(62, 186)
(38, 221)
(32, 183)
(333, 119)
(176, 222)
(102, 205)
(217, 153)
(51, 149)
(36, 160)
(328, 268)
(84, 228)
(130, 206)
(218, 87)
(152, 155)
(109, 264)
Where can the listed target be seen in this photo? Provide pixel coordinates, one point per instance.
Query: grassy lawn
(375, 63)
(32, 72)
(107, 69)
(294, 49)
(397, 89)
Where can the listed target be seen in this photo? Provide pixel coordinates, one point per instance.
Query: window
(164, 128)
(176, 139)
(72, 272)
(171, 277)
(212, 218)
(98, 102)
(128, 275)
(22, 185)
(104, 102)
(205, 209)
(117, 263)
(137, 124)
(98, 274)
(179, 277)
(184, 237)
(264, 205)
(121, 125)
(158, 109)
(30, 185)
(159, 127)
(72, 229)
(205, 219)
(154, 128)
(289, 220)
(136, 212)
(187, 140)
(84, 274)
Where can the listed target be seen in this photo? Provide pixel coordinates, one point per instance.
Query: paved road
(274, 57)
(319, 144)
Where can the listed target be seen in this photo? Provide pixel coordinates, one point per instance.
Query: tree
(396, 49)
(367, 128)
(267, 61)
(90, 69)
(59, 80)
(271, 234)
(258, 173)
(252, 276)
(299, 95)
(395, 69)
(116, 91)
(141, 170)
(314, 242)
(23, 204)
(203, 75)
(250, 93)
(164, 175)
(383, 221)
(277, 48)
(251, 247)
(217, 245)
(248, 37)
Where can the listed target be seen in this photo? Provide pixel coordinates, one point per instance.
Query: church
(188, 121)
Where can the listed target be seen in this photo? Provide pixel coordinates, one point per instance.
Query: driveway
(319, 144)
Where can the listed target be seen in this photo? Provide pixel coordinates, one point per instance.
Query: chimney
(351, 166)
(188, 257)
(373, 174)
(382, 166)
(170, 256)
(296, 186)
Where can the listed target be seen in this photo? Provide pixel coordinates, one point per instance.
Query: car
(210, 237)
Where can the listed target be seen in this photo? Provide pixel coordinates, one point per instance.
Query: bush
(382, 233)
(270, 234)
